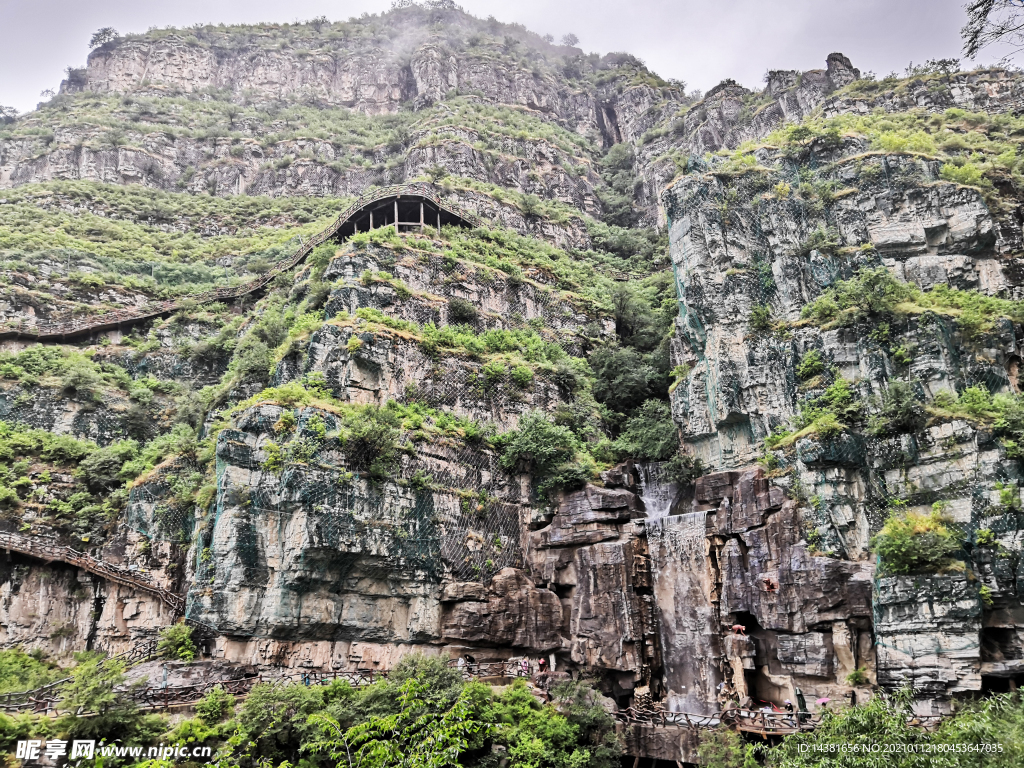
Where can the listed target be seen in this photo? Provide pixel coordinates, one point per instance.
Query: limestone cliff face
(753, 583)
(733, 259)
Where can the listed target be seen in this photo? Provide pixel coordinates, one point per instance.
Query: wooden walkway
(49, 551)
(156, 697)
(44, 698)
(67, 330)
(745, 720)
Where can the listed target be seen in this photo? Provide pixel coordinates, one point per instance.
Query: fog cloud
(692, 40)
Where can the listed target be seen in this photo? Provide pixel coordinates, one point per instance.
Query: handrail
(48, 549)
(117, 318)
(142, 650)
(471, 670)
(47, 698)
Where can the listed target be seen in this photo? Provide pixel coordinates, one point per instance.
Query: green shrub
(825, 239)
(912, 542)
(650, 434)
(369, 438)
(859, 676)
(462, 312)
(80, 376)
(20, 671)
(725, 748)
(102, 469)
(623, 377)
(93, 689)
(552, 454)
(811, 364)
(214, 705)
(967, 174)
(831, 411)
(901, 411)
(870, 293)
(984, 537)
(522, 376)
(253, 359)
(176, 643)
(760, 320)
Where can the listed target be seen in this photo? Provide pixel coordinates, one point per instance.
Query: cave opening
(1001, 684)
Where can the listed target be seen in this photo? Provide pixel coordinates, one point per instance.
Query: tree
(7, 114)
(91, 689)
(413, 737)
(990, 21)
(570, 40)
(176, 643)
(650, 435)
(885, 719)
(103, 36)
(623, 378)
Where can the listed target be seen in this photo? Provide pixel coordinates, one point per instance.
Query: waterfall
(657, 492)
(683, 584)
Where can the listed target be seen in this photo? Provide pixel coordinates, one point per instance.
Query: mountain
(421, 333)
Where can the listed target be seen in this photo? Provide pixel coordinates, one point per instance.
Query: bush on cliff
(20, 671)
(912, 542)
(649, 435)
(369, 437)
(876, 293)
(552, 454)
(176, 643)
(624, 379)
(1003, 412)
(901, 410)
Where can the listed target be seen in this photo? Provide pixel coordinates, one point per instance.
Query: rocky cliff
(510, 440)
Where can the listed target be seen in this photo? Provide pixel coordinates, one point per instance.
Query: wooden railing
(663, 718)
(61, 330)
(152, 697)
(471, 670)
(44, 697)
(50, 550)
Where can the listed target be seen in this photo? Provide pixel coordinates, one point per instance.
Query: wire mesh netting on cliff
(445, 508)
(784, 223)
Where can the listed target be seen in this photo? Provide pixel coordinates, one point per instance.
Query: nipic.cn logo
(35, 750)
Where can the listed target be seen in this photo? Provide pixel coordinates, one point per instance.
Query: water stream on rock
(657, 492)
(682, 587)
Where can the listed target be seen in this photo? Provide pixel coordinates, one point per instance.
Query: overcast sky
(698, 41)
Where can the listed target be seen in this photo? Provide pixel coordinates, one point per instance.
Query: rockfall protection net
(766, 230)
(452, 513)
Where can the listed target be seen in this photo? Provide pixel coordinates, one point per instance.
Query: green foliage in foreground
(422, 715)
(414, 736)
(997, 722)
(20, 671)
(425, 715)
